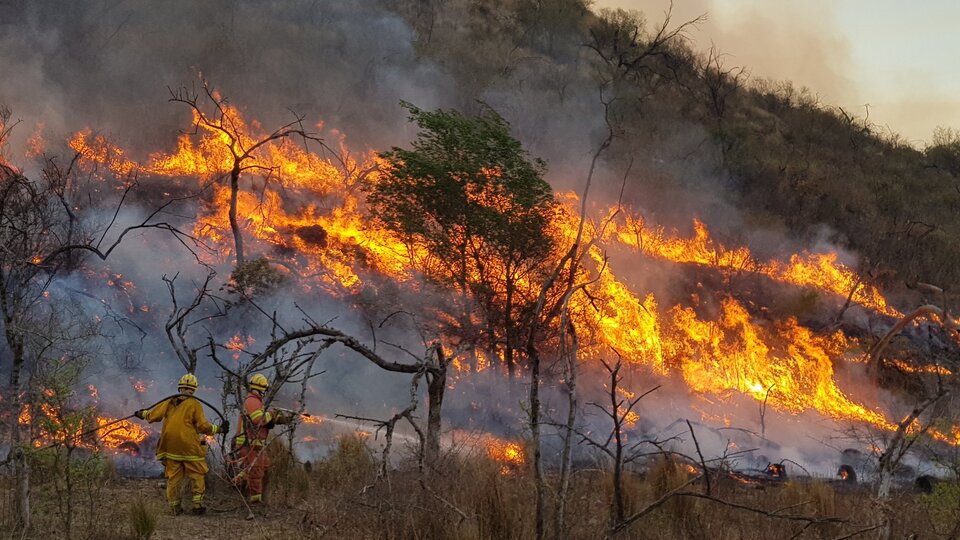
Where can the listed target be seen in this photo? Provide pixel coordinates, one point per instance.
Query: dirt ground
(226, 516)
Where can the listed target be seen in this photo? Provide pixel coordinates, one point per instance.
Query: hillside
(783, 158)
(481, 269)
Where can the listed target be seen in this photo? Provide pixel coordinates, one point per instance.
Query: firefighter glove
(224, 426)
(140, 413)
(279, 417)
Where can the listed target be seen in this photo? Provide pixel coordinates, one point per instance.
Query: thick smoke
(107, 66)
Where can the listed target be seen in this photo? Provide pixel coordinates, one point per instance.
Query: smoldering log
(926, 483)
(847, 474)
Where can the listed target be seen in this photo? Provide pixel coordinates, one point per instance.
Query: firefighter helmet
(188, 381)
(259, 383)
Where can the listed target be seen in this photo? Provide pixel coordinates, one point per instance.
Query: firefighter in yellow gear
(179, 449)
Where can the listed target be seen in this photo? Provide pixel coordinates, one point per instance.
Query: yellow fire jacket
(183, 424)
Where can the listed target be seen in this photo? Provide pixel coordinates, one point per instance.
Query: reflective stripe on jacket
(183, 425)
(253, 422)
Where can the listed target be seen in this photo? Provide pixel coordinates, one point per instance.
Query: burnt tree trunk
(234, 225)
(897, 448)
(20, 466)
(436, 385)
(508, 325)
(535, 438)
(618, 513)
(931, 312)
(21, 470)
(566, 457)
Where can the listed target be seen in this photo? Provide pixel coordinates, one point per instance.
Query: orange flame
(908, 368)
(330, 242)
(36, 145)
(52, 427)
(138, 385)
(509, 454)
(820, 271)
(115, 434)
(24, 417)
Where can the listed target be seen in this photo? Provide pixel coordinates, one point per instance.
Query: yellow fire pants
(175, 472)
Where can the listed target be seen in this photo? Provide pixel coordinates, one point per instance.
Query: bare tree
(624, 45)
(179, 322)
(719, 82)
(43, 237)
(895, 450)
(290, 356)
(618, 412)
(244, 152)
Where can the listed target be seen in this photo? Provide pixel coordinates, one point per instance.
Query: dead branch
(859, 532)
(763, 412)
(931, 312)
(389, 425)
(223, 123)
(772, 514)
(846, 305)
(706, 472)
(177, 326)
(625, 523)
(443, 501)
(624, 50)
(678, 492)
(899, 445)
(181, 236)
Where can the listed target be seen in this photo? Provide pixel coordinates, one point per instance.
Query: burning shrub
(468, 194)
(776, 471)
(254, 278)
(511, 455)
(847, 474)
(501, 504)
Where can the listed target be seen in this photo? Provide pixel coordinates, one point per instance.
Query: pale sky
(901, 58)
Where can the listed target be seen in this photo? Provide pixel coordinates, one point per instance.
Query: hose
(117, 421)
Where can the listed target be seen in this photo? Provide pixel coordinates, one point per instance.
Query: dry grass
(469, 498)
(349, 466)
(288, 483)
(143, 519)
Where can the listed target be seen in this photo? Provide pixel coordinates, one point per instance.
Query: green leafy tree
(475, 209)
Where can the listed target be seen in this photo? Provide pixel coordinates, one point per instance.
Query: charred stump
(926, 483)
(847, 474)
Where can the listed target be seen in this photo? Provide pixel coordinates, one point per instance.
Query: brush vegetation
(707, 139)
(784, 158)
(471, 497)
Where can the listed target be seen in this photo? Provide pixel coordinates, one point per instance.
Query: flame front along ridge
(331, 243)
